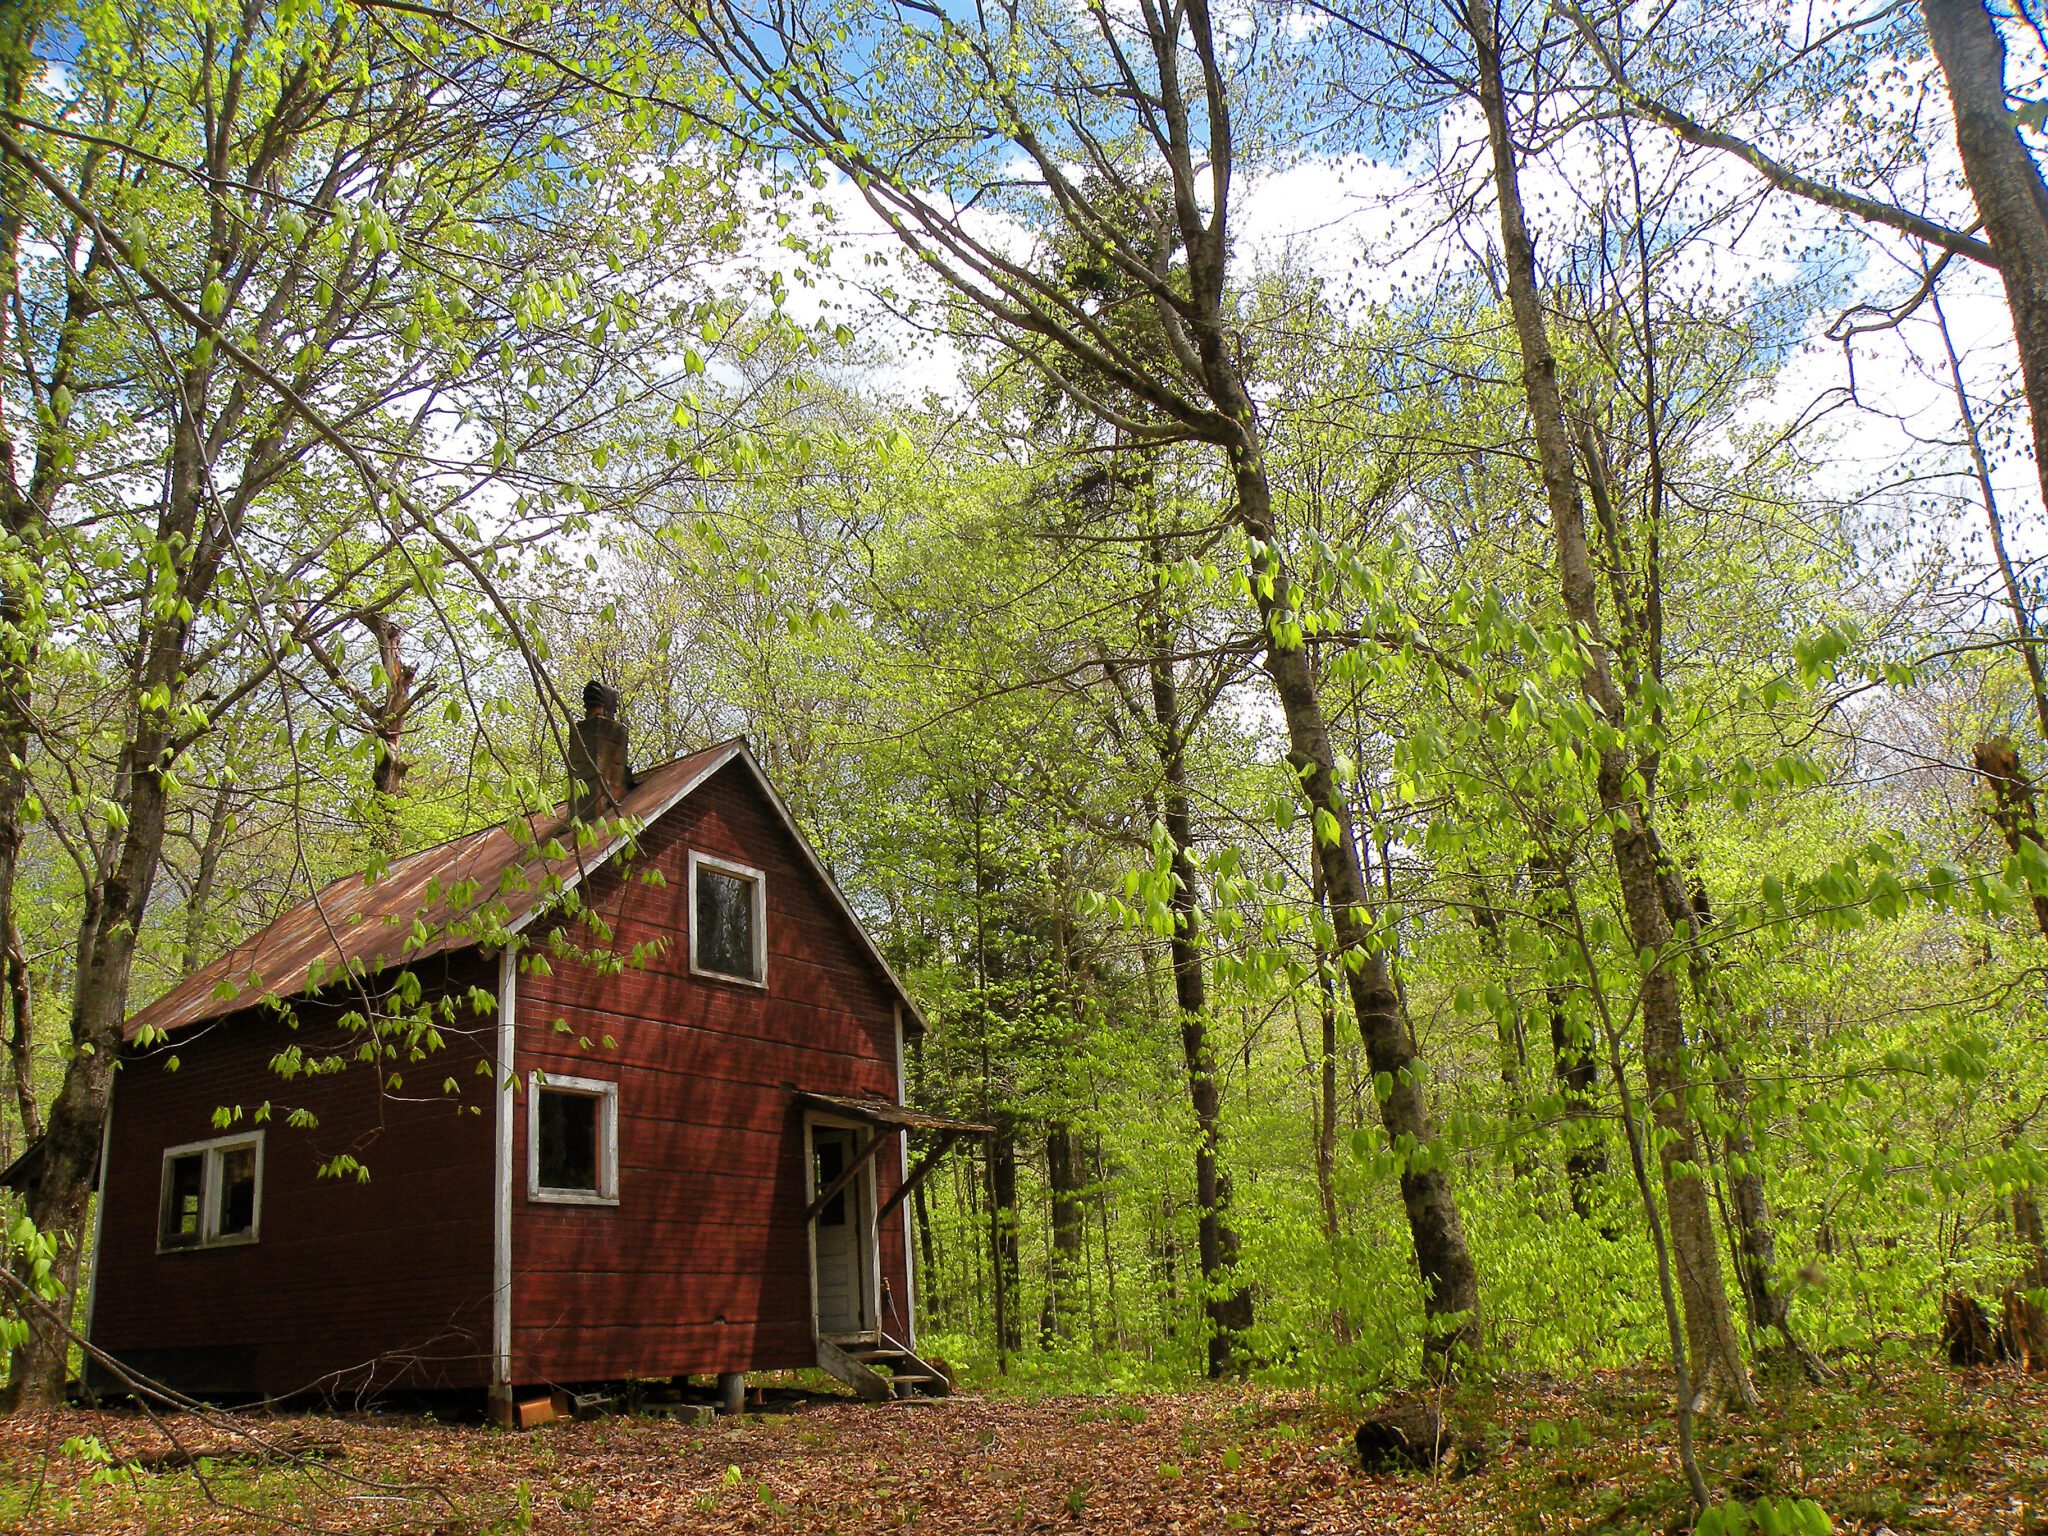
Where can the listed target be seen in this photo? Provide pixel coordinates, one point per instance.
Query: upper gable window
(212, 1193)
(728, 920)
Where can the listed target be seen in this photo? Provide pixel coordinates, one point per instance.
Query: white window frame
(760, 882)
(213, 1151)
(607, 1096)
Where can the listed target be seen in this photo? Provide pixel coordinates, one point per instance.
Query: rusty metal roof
(441, 900)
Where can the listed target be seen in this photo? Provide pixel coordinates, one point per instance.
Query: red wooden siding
(349, 1284)
(704, 1263)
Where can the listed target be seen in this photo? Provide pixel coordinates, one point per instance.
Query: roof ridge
(494, 826)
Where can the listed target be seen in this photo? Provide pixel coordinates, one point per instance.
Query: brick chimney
(598, 771)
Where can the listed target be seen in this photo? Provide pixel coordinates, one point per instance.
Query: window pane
(568, 1141)
(831, 1163)
(184, 1178)
(725, 923)
(237, 1192)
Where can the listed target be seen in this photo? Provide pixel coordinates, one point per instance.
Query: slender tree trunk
(21, 1056)
(1225, 1300)
(1512, 1039)
(932, 1304)
(199, 902)
(1450, 1280)
(1326, 1098)
(1326, 1103)
(1109, 1274)
(1634, 1133)
(2004, 182)
(1715, 1352)
(1167, 1251)
(1756, 1238)
(1578, 1080)
(1987, 493)
(1575, 1064)
(389, 714)
(1002, 1226)
(30, 474)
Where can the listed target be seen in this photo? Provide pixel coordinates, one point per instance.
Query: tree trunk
(1326, 1094)
(1575, 1063)
(1002, 1225)
(1578, 1078)
(2017, 814)
(1326, 1104)
(1710, 1329)
(2026, 1226)
(1065, 1259)
(27, 490)
(2005, 184)
(1450, 1281)
(1756, 1238)
(2013, 806)
(199, 901)
(1512, 1039)
(115, 904)
(389, 715)
(1166, 1249)
(932, 1304)
(1226, 1302)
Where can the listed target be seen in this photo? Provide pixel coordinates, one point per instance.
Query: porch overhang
(885, 1116)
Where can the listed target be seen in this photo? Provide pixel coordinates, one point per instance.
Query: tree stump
(1966, 1331)
(1403, 1437)
(2023, 1336)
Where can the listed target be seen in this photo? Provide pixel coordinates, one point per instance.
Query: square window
(572, 1132)
(728, 920)
(212, 1193)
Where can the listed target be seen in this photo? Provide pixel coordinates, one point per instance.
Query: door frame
(865, 1229)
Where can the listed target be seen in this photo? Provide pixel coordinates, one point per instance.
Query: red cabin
(662, 1138)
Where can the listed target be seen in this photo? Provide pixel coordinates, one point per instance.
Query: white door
(841, 1252)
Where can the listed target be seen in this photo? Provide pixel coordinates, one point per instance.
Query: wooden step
(882, 1372)
(871, 1384)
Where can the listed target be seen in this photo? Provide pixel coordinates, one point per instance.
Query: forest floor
(1905, 1449)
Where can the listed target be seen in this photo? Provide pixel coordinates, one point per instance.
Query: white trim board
(501, 1195)
(597, 861)
(902, 1174)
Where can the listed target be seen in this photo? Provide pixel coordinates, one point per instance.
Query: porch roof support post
(916, 1175)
